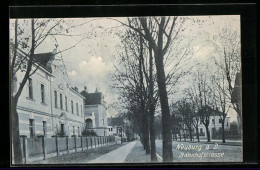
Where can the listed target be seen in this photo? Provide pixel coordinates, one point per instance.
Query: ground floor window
(31, 128)
(44, 128)
(62, 129)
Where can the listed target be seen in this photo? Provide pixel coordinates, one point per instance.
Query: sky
(90, 62)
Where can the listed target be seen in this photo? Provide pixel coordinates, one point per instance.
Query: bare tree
(228, 59)
(220, 99)
(160, 33)
(202, 97)
(185, 111)
(28, 36)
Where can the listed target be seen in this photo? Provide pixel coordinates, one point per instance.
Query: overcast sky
(89, 63)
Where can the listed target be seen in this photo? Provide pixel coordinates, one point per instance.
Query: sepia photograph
(150, 89)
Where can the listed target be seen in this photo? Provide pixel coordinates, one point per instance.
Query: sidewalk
(116, 156)
(137, 154)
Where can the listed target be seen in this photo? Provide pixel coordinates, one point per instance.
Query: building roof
(43, 59)
(92, 98)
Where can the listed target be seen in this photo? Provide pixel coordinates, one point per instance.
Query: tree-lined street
(173, 78)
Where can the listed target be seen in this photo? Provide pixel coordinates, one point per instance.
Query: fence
(40, 147)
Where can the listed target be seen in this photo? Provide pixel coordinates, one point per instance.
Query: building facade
(48, 105)
(215, 126)
(95, 112)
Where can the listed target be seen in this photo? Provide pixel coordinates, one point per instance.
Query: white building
(214, 123)
(96, 112)
(48, 104)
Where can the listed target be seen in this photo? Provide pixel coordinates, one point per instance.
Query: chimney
(85, 89)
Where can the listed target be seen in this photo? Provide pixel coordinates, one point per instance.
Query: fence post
(25, 149)
(87, 142)
(91, 142)
(57, 144)
(44, 150)
(67, 144)
(81, 142)
(75, 142)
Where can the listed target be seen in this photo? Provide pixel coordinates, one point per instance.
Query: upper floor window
(213, 121)
(77, 108)
(66, 104)
(30, 86)
(72, 110)
(43, 93)
(61, 103)
(56, 99)
(220, 121)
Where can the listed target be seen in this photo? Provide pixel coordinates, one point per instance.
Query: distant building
(116, 126)
(214, 125)
(95, 112)
(48, 104)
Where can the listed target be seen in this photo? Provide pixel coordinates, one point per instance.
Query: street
(201, 152)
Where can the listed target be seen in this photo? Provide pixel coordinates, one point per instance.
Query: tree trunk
(197, 133)
(166, 123)
(190, 134)
(16, 144)
(148, 149)
(223, 131)
(208, 133)
(152, 136)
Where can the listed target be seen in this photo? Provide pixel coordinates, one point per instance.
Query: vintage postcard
(126, 90)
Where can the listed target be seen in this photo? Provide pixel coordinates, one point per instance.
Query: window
(73, 130)
(81, 110)
(31, 128)
(42, 93)
(77, 108)
(201, 130)
(227, 124)
(66, 104)
(44, 126)
(213, 121)
(78, 132)
(56, 99)
(61, 104)
(30, 85)
(72, 110)
(219, 121)
(62, 129)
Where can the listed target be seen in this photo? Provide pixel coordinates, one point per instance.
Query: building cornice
(45, 113)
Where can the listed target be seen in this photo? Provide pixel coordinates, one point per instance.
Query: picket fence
(41, 148)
